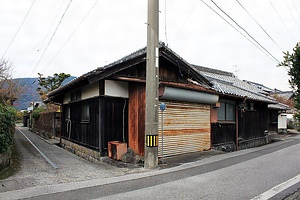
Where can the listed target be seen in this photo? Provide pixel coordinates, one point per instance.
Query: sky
(78, 36)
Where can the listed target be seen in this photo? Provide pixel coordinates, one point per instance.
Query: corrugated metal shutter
(186, 128)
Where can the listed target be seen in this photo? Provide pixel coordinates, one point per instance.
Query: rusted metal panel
(186, 128)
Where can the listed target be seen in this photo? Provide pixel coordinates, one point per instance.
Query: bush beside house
(7, 129)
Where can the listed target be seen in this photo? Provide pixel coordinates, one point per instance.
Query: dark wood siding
(273, 120)
(223, 133)
(167, 72)
(113, 111)
(253, 123)
(82, 132)
(105, 121)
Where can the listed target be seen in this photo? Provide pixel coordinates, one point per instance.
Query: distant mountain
(30, 94)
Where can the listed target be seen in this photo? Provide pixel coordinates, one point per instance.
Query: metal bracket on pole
(162, 108)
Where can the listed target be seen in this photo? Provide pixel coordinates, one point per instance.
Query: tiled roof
(279, 106)
(228, 83)
(285, 95)
(107, 70)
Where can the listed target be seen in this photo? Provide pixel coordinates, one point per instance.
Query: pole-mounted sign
(162, 108)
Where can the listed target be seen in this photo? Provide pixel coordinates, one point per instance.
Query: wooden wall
(223, 133)
(253, 123)
(112, 120)
(273, 120)
(85, 133)
(105, 123)
(136, 113)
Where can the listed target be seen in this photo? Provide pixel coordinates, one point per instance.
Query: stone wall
(5, 159)
(81, 151)
(245, 144)
(47, 125)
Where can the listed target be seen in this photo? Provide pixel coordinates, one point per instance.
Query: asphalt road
(239, 175)
(34, 170)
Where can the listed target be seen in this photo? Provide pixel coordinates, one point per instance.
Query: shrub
(7, 124)
(37, 111)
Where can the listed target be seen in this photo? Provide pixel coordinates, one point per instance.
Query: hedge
(7, 127)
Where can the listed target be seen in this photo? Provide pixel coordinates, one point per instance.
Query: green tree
(292, 62)
(50, 83)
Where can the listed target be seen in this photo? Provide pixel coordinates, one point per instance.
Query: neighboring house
(27, 119)
(240, 119)
(285, 98)
(108, 104)
(278, 117)
(281, 113)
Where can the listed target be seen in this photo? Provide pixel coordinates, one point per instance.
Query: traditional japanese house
(108, 104)
(240, 118)
(279, 112)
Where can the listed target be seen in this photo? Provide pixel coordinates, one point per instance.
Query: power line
(166, 22)
(70, 36)
(296, 8)
(282, 20)
(39, 45)
(292, 14)
(18, 29)
(246, 32)
(73, 11)
(52, 37)
(234, 27)
(186, 21)
(259, 25)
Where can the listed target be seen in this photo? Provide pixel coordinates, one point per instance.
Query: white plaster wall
(116, 88)
(90, 91)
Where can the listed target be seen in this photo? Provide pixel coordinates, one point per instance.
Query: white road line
(277, 189)
(44, 156)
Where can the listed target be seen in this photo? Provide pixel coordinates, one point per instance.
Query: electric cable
(234, 28)
(18, 29)
(282, 20)
(259, 25)
(51, 37)
(245, 32)
(70, 36)
(292, 14)
(231, 25)
(296, 8)
(39, 45)
(166, 23)
(190, 13)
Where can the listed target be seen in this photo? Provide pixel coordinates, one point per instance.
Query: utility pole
(151, 123)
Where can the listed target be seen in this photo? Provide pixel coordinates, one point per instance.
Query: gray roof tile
(228, 83)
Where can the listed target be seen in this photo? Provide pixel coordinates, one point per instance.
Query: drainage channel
(44, 156)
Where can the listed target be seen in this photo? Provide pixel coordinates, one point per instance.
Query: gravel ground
(34, 170)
